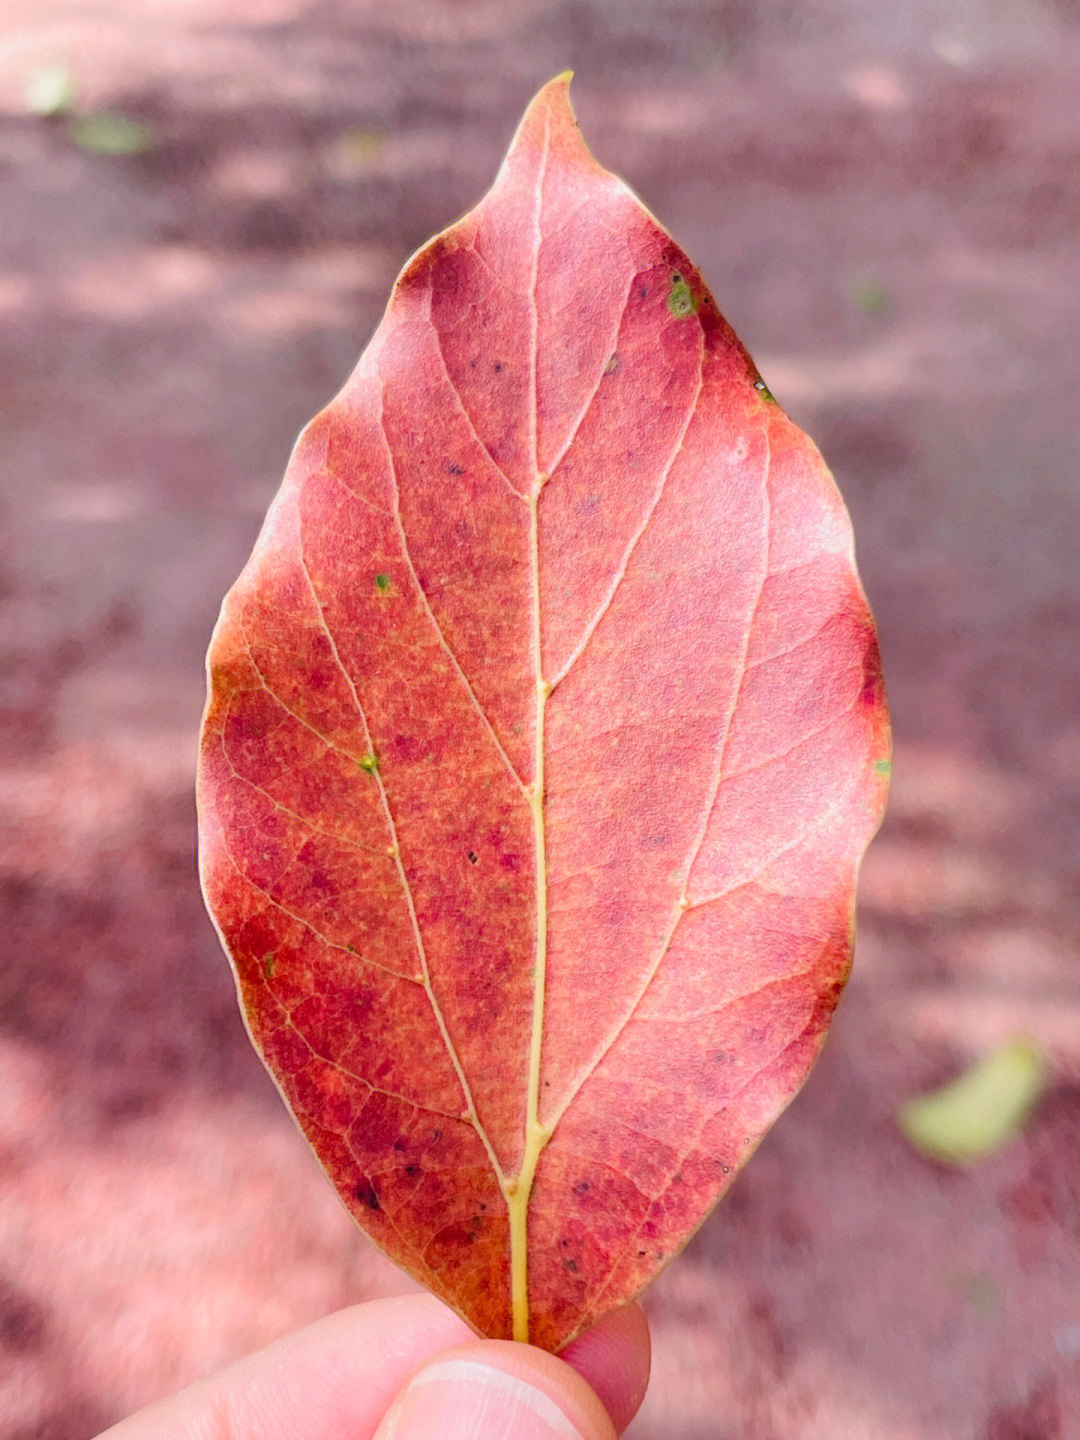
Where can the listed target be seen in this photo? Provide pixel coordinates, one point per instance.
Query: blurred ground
(886, 201)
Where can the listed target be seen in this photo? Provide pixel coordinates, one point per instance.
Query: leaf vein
(729, 1002)
(682, 1159)
(792, 649)
(458, 669)
(300, 920)
(620, 573)
(295, 814)
(584, 412)
(612, 1038)
(459, 398)
(414, 922)
(290, 1023)
(800, 839)
(784, 754)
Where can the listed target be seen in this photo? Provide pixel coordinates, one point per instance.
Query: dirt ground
(886, 200)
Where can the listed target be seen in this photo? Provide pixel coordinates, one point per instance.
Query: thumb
(497, 1390)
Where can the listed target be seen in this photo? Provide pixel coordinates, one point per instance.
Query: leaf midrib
(519, 1191)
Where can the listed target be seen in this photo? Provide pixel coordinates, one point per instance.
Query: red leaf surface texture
(545, 735)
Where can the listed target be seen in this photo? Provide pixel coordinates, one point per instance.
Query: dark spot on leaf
(456, 1237)
(269, 965)
(581, 1187)
(497, 366)
(352, 949)
(571, 1265)
(400, 1143)
(365, 1194)
(643, 292)
(873, 688)
(455, 468)
(473, 364)
(641, 1254)
(382, 582)
(412, 1169)
(437, 1135)
(473, 857)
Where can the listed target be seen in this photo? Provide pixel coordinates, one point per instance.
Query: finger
(331, 1380)
(614, 1357)
(496, 1388)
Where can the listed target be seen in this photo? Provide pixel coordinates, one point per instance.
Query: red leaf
(545, 735)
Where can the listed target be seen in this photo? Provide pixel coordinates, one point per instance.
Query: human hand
(409, 1369)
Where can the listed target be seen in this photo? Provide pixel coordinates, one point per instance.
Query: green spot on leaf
(763, 390)
(369, 763)
(981, 1110)
(382, 582)
(681, 299)
(883, 767)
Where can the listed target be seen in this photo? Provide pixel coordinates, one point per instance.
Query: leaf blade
(554, 822)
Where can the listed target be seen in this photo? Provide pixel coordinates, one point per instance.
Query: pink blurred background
(886, 200)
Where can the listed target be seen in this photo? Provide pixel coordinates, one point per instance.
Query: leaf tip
(555, 93)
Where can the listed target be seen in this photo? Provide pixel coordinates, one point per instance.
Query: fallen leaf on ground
(981, 1110)
(107, 134)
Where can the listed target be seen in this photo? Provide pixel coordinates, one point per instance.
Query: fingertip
(615, 1357)
(508, 1388)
